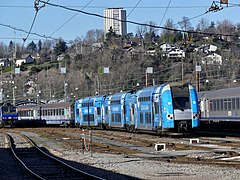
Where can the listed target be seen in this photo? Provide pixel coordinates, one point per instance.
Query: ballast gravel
(135, 166)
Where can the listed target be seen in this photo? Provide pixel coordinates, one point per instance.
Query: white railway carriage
(220, 106)
(50, 114)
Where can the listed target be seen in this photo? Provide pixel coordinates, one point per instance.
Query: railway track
(40, 164)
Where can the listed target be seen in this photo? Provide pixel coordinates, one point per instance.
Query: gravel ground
(138, 167)
(130, 165)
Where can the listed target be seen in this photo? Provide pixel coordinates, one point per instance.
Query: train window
(221, 104)
(229, 104)
(77, 112)
(62, 112)
(148, 117)
(118, 117)
(98, 111)
(88, 117)
(115, 102)
(181, 103)
(112, 117)
(5, 109)
(156, 108)
(210, 105)
(144, 99)
(54, 112)
(225, 104)
(217, 105)
(237, 103)
(132, 109)
(141, 117)
(106, 110)
(12, 109)
(233, 104)
(214, 105)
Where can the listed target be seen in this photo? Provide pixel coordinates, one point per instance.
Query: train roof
(52, 105)
(227, 92)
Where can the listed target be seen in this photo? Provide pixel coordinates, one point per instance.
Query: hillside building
(118, 26)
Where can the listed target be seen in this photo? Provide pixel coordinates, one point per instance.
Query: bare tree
(94, 35)
(203, 24)
(185, 24)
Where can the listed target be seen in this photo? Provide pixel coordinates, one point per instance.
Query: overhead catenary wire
(24, 31)
(165, 12)
(134, 22)
(52, 38)
(37, 8)
(71, 18)
(133, 8)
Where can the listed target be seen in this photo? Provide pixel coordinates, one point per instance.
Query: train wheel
(131, 129)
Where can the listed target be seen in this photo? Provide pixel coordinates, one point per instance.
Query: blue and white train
(167, 107)
(8, 114)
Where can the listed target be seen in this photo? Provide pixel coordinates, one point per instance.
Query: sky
(18, 15)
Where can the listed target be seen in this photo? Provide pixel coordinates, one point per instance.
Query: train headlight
(195, 116)
(170, 116)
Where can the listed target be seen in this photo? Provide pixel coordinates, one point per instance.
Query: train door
(132, 113)
(156, 111)
(167, 107)
(194, 106)
(145, 113)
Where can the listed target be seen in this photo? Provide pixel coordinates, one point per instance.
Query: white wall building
(119, 27)
(176, 53)
(212, 58)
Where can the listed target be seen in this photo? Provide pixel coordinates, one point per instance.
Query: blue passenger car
(167, 107)
(118, 106)
(89, 111)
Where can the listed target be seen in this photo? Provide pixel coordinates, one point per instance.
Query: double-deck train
(220, 107)
(167, 107)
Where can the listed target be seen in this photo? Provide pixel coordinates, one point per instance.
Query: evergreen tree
(39, 46)
(60, 47)
(32, 47)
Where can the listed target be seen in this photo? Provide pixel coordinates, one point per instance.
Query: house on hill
(212, 58)
(26, 59)
(4, 62)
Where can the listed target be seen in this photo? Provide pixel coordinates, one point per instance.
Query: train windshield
(181, 98)
(8, 109)
(12, 109)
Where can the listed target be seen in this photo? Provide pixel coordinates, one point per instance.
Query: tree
(2, 49)
(39, 46)
(110, 34)
(185, 24)
(94, 35)
(10, 47)
(203, 24)
(60, 47)
(166, 34)
(32, 47)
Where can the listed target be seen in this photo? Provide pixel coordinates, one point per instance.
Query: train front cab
(179, 108)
